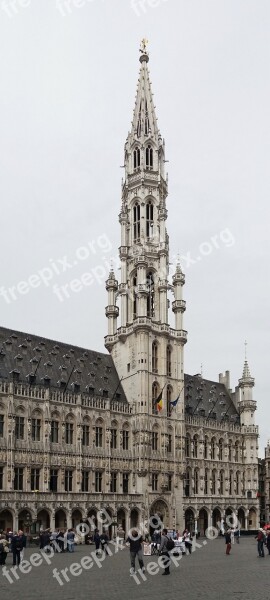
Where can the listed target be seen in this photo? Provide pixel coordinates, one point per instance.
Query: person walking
(268, 542)
(228, 541)
(187, 540)
(164, 552)
(134, 541)
(260, 537)
(16, 548)
(70, 540)
(97, 539)
(104, 542)
(3, 550)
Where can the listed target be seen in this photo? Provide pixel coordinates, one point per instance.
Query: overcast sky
(69, 70)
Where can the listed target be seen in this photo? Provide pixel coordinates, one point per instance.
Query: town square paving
(206, 574)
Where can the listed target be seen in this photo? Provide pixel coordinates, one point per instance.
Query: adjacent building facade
(127, 432)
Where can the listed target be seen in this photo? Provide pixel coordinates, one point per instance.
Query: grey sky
(68, 78)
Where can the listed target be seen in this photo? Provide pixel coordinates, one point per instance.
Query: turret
(179, 305)
(247, 405)
(112, 310)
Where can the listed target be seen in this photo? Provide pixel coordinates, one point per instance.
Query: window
(154, 482)
(195, 447)
(230, 451)
(154, 357)
(206, 482)
(18, 479)
(231, 484)
(85, 481)
(213, 449)
(99, 437)
(19, 428)
(136, 222)
(1, 425)
(170, 480)
(169, 361)
(125, 439)
(1, 478)
(221, 488)
(69, 433)
(98, 481)
(36, 427)
(187, 484)
(169, 445)
(206, 447)
(68, 480)
(55, 432)
(136, 158)
(53, 480)
(237, 484)
(155, 393)
(35, 473)
(113, 439)
(113, 485)
(134, 298)
(154, 440)
(150, 295)
(125, 483)
(220, 446)
(85, 436)
(213, 483)
(187, 446)
(196, 481)
(149, 220)
(236, 452)
(169, 399)
(149, 157)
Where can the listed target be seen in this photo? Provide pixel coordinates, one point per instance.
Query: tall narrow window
(170, 481)
(98, 481)
(149, 220)
(220, 446)
(1, 478)
(54, 432)
(68, 480)
(195, 447)
(134, 297)
(154, 440)
(125, 483)
(236, 452)
(99, 437)
(136, 158)
(206, 447)
(231, 484)
(206, 491)
(150, 295)
(196, 481)
(36, 427)
(214, 483)
(154, 482)
(18, 479)
(169, 361)
(1, 425)
(221, 488)
(213, 449)
(169, 400)
(149, 157)
(136, 222)
(113, 485)
(230, 450)
(237, 483)
(35, 473)
(155, 393)
(19, 428)
(169, 444)
(53, 480)
(85, 481)
(187, 484)
(154, 357)
(113, 439)
(69, 433)
(85, 435)
(125, 439)
(187, 446)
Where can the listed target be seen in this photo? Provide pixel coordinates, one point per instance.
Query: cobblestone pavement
(206, 574)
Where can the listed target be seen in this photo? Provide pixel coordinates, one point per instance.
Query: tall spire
(144, 123)
(246, 370)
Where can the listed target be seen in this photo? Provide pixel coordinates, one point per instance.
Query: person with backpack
(165, 547)
(260, 537)
(134, 541)
(16, 548)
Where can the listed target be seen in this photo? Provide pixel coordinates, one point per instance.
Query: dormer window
(149, 157)
(136, 158)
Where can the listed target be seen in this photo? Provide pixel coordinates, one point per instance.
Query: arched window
(155, 393)
(169, 399)
(187, 445)
(221, 487)
(231, 484)
(149, 220)
(150, 295)
(214, 487)
(213, 449)
(237, 481)
(220, 448)
(230, 450)
(136, 222)
(237, 452)
(155, 440)
(134, 296)
(206, 482)
(136, 158)
(195, 447)
(196, 481)
(206, 447)
(154, 357)
(149, 157)
(187, 483)
(169, 361)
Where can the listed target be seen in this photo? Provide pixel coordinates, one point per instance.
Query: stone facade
(127, 432)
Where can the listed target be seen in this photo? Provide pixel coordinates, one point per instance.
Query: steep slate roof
(36, 358)
(209, 399)
(32, 358)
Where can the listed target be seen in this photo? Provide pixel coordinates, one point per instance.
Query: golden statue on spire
(143, 47)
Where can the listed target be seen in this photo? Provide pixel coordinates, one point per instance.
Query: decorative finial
(143, 50)
(245, 349)
(201, 369)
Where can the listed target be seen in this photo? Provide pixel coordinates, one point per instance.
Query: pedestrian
(70, 540)
(260, 537)
(24, 540)
(228, 541)
(3, 549)
(97, 539)
(268, 542)
(187, 540)
(16, 548)
(134, 541)
(237, 535)
(163, 550)
(104, 542)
